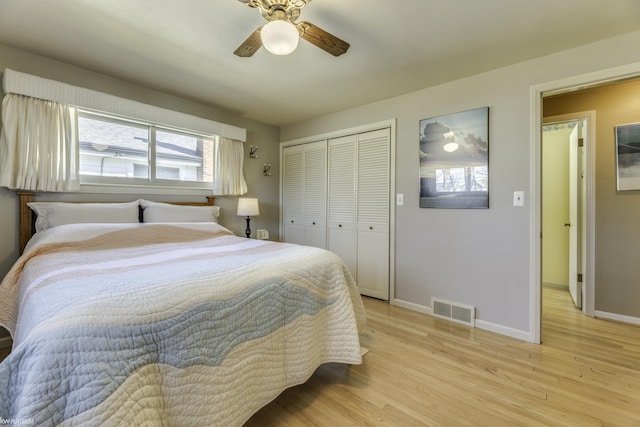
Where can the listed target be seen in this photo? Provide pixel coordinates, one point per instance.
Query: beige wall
(555, 206)
(617, 235)
(265, 136)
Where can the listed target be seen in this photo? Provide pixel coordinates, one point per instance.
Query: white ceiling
(185, 47)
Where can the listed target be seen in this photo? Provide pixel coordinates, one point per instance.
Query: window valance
(51, 90)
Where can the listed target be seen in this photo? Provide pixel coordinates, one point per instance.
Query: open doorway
(564, 234)
(613, 95)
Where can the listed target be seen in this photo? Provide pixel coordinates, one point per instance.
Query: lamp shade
(248, 206)
(279, 37)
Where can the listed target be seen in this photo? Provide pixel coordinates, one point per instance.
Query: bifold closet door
(336, 196)
(373, 213)
(315, 194)
(304, 194)
(293, 194)
(341, 223)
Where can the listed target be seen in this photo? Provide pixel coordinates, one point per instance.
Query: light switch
(518, 198)
(399, 199)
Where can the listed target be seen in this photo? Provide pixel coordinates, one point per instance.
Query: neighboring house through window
(123, 144)
(119, 151)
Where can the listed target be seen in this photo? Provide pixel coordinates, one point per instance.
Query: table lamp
(248, 206)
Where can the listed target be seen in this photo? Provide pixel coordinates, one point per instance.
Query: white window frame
(92, 183)
(466, 170)
(88, 99)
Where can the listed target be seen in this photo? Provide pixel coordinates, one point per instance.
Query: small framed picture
(628, 156)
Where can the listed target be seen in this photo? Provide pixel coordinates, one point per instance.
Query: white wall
(475, 257)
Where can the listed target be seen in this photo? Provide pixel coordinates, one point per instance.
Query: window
(462, 180)
(117, 151)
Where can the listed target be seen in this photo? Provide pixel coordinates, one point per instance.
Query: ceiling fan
(281, 33)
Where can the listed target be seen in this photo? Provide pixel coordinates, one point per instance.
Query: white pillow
(51, 214)
(166, 212)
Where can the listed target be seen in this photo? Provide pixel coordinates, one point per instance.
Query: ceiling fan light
(450, 147)
(279, 37)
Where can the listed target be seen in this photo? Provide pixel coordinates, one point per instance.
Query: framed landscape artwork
(628, 156)
(454, 160)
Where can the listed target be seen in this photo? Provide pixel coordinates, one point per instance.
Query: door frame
(536, 94)
(588, 229)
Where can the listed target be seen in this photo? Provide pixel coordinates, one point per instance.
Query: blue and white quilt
(167, 324)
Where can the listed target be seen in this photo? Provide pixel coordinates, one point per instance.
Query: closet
(336, 195)
(304, 194)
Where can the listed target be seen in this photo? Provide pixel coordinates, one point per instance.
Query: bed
(167, 323)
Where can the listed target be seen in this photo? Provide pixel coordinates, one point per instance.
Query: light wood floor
(425, 371)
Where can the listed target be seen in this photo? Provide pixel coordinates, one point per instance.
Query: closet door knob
(314, 223)
(370, 228)
(339, 225)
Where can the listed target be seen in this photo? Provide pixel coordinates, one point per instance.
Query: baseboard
(504, 330)
(618, 317)
(412, 306)
(5, 342)
(480, 324)
(556, 285)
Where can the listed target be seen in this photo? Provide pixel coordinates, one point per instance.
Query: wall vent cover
(453, 311)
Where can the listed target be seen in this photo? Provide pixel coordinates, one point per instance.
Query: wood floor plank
(426, 371)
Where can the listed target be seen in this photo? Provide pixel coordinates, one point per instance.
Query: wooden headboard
(27, 218)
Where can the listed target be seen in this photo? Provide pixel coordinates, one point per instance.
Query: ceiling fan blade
(250, 45)
(319, 37)
(251, 3)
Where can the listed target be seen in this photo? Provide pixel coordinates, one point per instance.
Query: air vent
(455, 312)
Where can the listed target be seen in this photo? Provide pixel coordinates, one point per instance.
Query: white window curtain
(51, 90)
(228, 177)
(38, 145)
